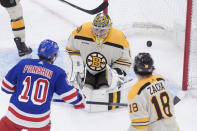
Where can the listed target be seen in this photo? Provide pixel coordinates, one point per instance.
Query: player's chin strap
(115, 81)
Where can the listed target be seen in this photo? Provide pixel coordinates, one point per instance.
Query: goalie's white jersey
(151, 106)
(114, 51)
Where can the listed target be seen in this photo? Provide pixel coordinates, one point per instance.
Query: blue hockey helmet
(48, 49)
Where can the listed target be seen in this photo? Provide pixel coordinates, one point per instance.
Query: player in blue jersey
(32, 83)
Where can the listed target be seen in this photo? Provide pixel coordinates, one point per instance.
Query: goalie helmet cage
(177, 17)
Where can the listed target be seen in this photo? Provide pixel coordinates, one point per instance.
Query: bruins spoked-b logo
(96, 61)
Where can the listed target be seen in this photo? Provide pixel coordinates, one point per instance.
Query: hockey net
(167, 18)
(151, 16)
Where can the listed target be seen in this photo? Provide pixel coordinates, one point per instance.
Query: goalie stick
(100, 8)
(97, 103)
(106, 103)
(176, 100)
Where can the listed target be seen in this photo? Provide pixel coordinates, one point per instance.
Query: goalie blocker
(112, 88)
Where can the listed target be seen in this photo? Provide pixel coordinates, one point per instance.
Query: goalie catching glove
(115, 78)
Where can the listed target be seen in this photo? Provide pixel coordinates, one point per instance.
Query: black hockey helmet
(143, 64)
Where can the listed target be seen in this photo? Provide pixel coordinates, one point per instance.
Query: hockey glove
(120, 72)
(82, 102)
(115, 78)
(80, 106)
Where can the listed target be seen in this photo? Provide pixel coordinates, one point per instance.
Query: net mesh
(171, 12)
(157, 17)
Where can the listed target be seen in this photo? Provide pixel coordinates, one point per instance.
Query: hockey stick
(106, 103)
(96, 103)
(100, 8)
(176, 100)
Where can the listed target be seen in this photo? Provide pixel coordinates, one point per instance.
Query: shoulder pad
(117, 37)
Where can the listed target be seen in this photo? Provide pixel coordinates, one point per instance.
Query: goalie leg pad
(8, 3)
(100, 95)
(114, 98)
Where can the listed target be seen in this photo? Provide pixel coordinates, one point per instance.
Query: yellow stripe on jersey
(140, 85)
(140, 127)
(17, 24)
(114, 99)
(122, 64)
(121, 60)
(140, 120)
(68, 49)
(72, 52)
(106, 74)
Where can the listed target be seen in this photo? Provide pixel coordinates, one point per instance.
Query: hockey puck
(149, 43)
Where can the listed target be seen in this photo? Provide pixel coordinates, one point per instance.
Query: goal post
(185, 80)
(175, 20)
(106, 9)
(190, 49)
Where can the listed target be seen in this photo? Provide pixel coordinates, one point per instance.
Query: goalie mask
(101, 26)
(143, 64)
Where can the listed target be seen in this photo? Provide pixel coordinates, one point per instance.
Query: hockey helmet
(143, 64)
(101, 25)
(48, 49)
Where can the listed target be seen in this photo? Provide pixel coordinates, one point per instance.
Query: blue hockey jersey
(32, 83)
